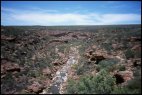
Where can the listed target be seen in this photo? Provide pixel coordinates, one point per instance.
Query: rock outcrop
(35, 88)
(46, 71)
(123, 76)
(58, 62)
(95, 56)
(8, 38)
(8, 66)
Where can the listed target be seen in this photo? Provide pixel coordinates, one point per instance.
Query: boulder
(35, 87)
(62, 55)
(46, 71)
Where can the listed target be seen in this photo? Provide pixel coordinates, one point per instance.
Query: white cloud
(8, 10)
(46, 17)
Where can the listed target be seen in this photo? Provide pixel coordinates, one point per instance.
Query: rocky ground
(43, 59)
(61, 76)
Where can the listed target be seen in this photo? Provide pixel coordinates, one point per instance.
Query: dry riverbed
(61, 75)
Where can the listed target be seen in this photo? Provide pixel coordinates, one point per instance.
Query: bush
(106, 64)
(33, 73)
(129, 54)
(84, 67)
(137, 53)
(133, 87)
(135, 84)
(124, 90)
(8, 83)
(100, 84)
(107, 46)
(71, 87)
(122, 68)
(80, 70)
(103, 83)
(74, 66)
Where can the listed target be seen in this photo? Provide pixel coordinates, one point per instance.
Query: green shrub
(101, 84)
(137, 54)
(74, 66)
(122, 68)
(71, 87)
(106, 64)
(124, 90)
(129, 54)
(135, 84)
(137, 72)
(33, 73)
(107, 46)
(133, 87)
(84, 67)
(80, 70)
(8, 83)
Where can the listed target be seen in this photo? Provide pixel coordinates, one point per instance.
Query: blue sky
(70, 12)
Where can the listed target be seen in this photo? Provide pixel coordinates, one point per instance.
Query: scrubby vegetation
(101, 84)
(31, 55)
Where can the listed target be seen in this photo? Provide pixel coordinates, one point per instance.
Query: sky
(52, 13)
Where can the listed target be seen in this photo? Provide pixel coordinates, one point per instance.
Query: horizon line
(71, 25)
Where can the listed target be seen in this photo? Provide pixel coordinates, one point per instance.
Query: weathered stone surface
(94, 46)
(46, 71)
(8, 66)
(55, 34)
(35, 87)
(137, 62)
(46, 82)
(125, 75)
(114, 46)
(95, 56)
(99, 57)
(135, 39)
(94, 73)
(58, 41)
(62, 55)
(8, 38)
(54, 69)
(64, 60)
(56, 63)
(136, 47)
